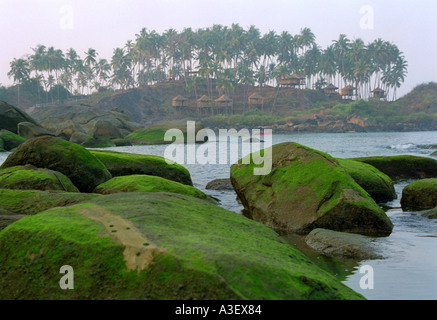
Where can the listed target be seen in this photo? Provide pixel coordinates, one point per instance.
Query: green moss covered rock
(379, 186)
(84, 170)
(307, 189)
(10, 140)
(155, 246)
(29, 177)
(155, 134)
(145, 183)
(30, 202)
(420, 195)
(123, 164)
(403, 166)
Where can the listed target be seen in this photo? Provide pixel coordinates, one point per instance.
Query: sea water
(409, 268)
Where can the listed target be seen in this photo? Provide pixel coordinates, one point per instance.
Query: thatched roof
(204, 98)
(349, 87)
(179, 98)
(330, 87)
(256, 96)
(378, 90)
(224, 98)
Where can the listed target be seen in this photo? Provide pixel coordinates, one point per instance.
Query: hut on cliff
(256, 100)
(224, 103)
(204, 104)
(291, 81)
(330, 90)
(179, 102)
(348, 92)
(378, 93)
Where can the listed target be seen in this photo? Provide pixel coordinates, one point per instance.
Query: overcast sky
(107, 24)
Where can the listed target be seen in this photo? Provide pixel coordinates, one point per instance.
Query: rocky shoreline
(134, 227)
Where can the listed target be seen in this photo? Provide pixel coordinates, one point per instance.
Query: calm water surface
(409, 270)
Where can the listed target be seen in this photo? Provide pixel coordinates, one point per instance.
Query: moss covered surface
(403, 166)
(379, 186)
(30, 202)
(307, 189)
(10, 140)
(146, 183)
(420, 195)
(77, 163)
(207, 253)
(31, 178)
(148, 136)
(123, 164)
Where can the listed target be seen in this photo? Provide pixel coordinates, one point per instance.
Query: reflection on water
(409, 268)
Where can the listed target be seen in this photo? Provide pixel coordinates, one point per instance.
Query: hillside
(284, 109)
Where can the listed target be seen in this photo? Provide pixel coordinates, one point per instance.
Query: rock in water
(29, 177)
(84, 170)
(379, 186)
(420, 195)
(124, 164)
(219, 184)
(342, 245)
(156, 246)
(146, 183)
(307, 189)
(10, 139)
(403, 166)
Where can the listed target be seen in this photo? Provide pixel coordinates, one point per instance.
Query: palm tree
(20, 71)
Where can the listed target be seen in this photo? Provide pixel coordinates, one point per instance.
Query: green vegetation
(203, 252)
(123, 164)
(32, 178)
(148, 136)
(379, 186)
(420, 195)
(252, 118)
(10, 140)
(230, 54)
(30, 202)
(145, 183)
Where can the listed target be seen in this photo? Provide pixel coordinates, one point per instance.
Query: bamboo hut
(330, 90)
(378, 93)
(223, 103)
(348, 91)
(292, 81)
(179, 102)
(204, 104)
(256, 100)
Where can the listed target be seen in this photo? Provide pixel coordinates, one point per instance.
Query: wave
(402, 146)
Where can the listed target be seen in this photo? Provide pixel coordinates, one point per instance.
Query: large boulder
(420, 195)
(30, 202)
(307, 189)
(30, 130)
(10, 140)
(11, 116)
(6, 220)
(156, 246)
(29, 177)
(379, 186)
(97, 123)
(84, 170)
(145, 183)
(403, 166)
(124, 164)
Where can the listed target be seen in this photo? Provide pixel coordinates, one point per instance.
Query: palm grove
(219, 56)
